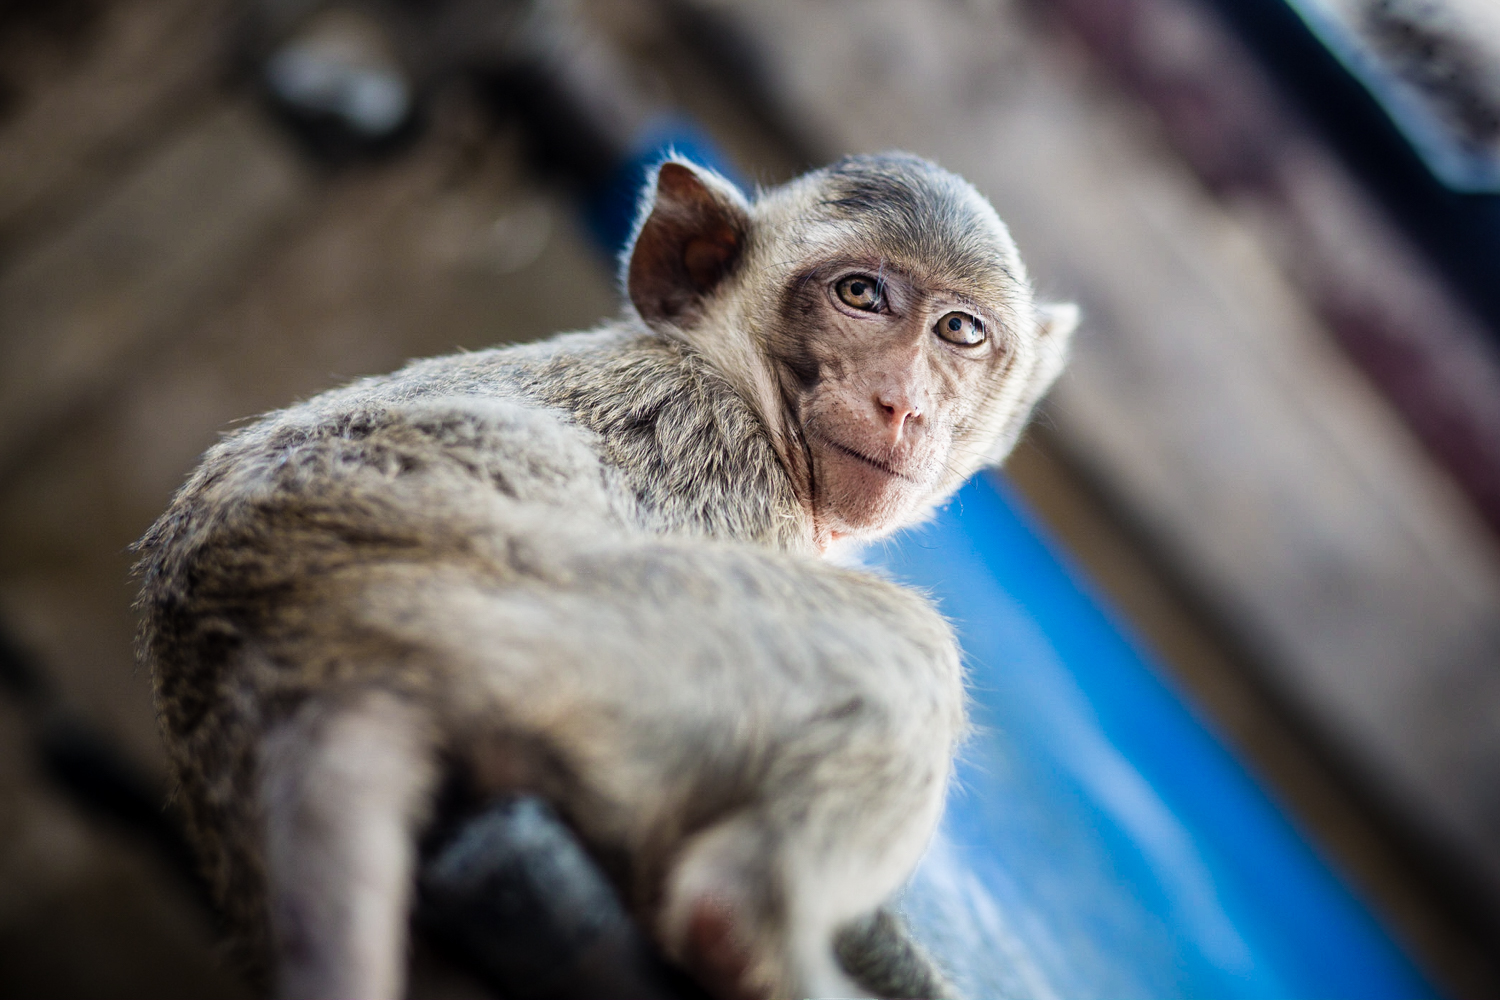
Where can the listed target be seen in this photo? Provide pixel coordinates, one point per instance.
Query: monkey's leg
(766, 740)
(342, 789)
(755, 903)
(726, 918)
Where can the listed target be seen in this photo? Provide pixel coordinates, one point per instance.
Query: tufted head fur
(875, 313)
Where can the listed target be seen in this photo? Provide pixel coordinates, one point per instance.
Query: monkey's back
(482, 466)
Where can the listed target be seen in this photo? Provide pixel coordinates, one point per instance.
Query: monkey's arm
(881, 953)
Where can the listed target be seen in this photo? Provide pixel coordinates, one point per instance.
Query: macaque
(592, 569)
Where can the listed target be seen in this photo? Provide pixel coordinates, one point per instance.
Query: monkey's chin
(860, 497)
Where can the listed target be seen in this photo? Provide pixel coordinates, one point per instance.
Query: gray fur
(589, 568)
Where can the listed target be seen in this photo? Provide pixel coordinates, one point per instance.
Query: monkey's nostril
(899, 412)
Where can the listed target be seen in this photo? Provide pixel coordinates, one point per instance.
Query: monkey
(597, 569)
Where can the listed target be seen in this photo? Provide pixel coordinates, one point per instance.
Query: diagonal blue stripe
(1101, 842)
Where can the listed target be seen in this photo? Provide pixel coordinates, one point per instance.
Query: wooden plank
(1203, 391)
(184, 227)
(1388, 307)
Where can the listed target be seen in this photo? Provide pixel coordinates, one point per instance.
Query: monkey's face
(881, 367)
(875, 313)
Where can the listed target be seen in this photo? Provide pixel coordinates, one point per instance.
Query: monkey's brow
(800, 283)
(790, 262)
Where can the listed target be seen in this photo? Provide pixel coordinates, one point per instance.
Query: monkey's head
(875, 313)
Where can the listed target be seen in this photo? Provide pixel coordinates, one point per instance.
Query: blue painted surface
(1100, 841)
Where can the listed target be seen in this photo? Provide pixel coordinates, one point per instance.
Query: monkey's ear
(1057, 320)
(690, 239)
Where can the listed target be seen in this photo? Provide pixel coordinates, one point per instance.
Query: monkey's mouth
(869, 460)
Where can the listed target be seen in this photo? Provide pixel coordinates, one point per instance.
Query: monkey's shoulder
(689, 447)
(616, 424)
(688, 450)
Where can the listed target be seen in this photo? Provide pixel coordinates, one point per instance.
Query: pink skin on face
(877, 436)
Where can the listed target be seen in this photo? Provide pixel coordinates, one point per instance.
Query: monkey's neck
(697, 456)
(731, 346)
(784, 426)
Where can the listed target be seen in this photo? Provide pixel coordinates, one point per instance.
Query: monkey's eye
(961, 329)
(860, 291)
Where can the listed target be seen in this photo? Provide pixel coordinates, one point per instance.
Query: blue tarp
(1100, 841)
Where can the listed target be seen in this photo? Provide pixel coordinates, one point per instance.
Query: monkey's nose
(896, 411)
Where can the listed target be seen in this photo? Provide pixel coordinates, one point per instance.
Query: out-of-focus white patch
(341, 65)
(518, 236)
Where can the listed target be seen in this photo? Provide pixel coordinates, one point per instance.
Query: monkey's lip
(860, 456)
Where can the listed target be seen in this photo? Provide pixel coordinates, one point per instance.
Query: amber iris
(961, 329)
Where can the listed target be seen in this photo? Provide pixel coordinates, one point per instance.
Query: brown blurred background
(1277, 451)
